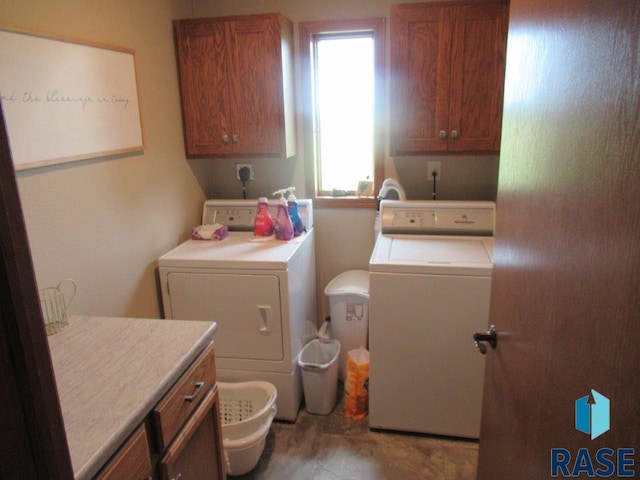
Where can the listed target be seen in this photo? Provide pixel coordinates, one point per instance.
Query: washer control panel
(437, 217)
(405, 218)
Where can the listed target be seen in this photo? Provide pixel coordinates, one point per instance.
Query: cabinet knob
(454, 134)
(225, 139)
(443, 134)
(235, 138)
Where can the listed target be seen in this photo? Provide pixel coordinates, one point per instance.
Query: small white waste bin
(349, 307)
(319, 363)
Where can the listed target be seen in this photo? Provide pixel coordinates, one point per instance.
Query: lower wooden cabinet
(181, 438)
(196, 451)
(187, 426)
(133, 460)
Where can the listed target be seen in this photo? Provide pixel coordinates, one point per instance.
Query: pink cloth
(210, 232)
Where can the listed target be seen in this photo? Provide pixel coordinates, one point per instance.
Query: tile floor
(334, 447)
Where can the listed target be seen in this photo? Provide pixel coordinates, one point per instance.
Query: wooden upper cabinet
(236, 84)
(447, 76)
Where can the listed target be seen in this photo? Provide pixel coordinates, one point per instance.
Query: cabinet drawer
(176, 407)
(132, 461)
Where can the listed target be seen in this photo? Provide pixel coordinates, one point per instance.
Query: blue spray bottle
(283, 225)
(292, 202)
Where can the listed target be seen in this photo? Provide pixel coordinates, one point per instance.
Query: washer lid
(451, 255)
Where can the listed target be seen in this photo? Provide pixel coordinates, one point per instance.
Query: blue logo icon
(592, 414)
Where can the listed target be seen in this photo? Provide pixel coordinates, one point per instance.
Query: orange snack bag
(356, 384)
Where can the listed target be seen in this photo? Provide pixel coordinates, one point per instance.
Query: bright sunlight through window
(344, 111)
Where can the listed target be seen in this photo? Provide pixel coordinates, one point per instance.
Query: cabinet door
(236, 85)
(204, 85)
(447, 76)
(420, 46)
(256, 85)
(196, 453)
(478, 51)
(132, 462)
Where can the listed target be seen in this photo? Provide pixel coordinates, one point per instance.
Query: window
(343, 93)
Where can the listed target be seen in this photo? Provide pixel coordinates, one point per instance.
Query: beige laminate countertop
(110, 373)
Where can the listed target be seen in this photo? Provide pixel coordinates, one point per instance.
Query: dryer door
(246, 307)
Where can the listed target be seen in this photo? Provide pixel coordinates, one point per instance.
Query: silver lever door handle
(481, 339)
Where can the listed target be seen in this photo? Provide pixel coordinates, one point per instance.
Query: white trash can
(318, 361)
(349, 308)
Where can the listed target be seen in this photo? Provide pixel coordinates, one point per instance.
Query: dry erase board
(65, 101)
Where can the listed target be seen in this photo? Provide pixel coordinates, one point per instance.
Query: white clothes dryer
(260, 291)
(430, 280)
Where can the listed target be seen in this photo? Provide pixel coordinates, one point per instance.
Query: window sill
(345, 202)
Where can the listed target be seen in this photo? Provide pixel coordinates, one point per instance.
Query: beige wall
(104, 222)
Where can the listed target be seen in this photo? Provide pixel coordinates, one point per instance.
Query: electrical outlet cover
(242, 165)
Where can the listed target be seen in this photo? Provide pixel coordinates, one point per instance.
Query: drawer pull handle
(194, 395)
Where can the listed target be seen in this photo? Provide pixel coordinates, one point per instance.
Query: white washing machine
(261, 292)
(430, 280)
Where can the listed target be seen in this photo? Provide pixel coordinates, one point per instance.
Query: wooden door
(203, 66)
(34, 444)
(477, 76)
(256, 85)
(420, 78)
(566, 282)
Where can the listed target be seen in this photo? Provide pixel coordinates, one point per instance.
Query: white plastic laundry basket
(247, 410)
